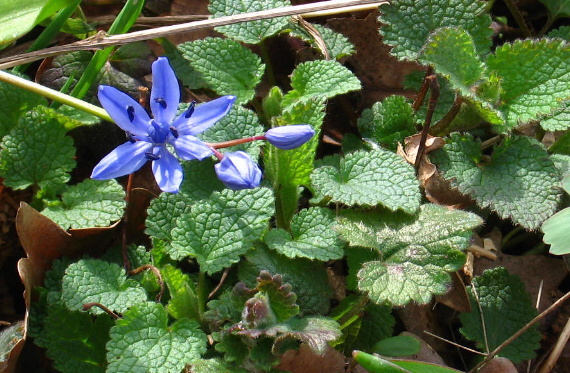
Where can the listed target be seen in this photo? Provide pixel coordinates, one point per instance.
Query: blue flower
(238, 171)
(289, 137)
(148, 137)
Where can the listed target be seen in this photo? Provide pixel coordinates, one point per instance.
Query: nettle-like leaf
(91, 203)
(183, 301)
(557, 8)
(377, 177)
(94, 280)
(238, 123)
(337, 45)
(143, 341)
(36, 152)
(555, 228)
(563, 32)
(313, 236)
(506, 307)
(538, 84)
(558, 119)
(519, 182)
(228, 67)
(217, 231)
(75, 341)
(249, 32)
(308, 278)
(388, 122)
(15, 102)
(214, 366)
(409, 23)
(320, 78)
(414, 256)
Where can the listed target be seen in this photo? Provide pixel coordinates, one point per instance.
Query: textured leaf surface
(414, 256)
(563, 32)
(555, 228)
(183, 301)
(520, 182)
(75, 340)
(535, 77)
(378, 177)
(163, 213)
(558, 119)
(409, 23)
(315, 79)
(557, 8)
(506, 308)
(91, 203)
(308, 278)
(388, 122)
(249, 32)
(217, 231)
(15, 102)
(337, 44)
(214, 366)
(36, 152)
(313, 236)
(227, 66)
(143, 341)
(93, 280)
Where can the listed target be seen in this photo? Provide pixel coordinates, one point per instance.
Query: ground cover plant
(255, 187)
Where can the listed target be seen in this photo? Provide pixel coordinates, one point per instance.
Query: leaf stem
(156, 272)
(88, 306)
(515, 11)
(433, 98)
(441, 127)
(202, 294)
(55, 95)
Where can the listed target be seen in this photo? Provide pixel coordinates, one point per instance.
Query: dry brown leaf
(16, 333)
(304, 360)
(456, 298)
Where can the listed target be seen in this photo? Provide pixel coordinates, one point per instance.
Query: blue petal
(189, 148)
(123, 160)
(289, 137)
(117, 104)
(165, 94)
(237, 171)
(204, 116)
(167, 171)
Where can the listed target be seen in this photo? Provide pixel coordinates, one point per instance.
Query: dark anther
(190, 110)
(174, 132)
(151, 156)
(161, 101)
(131, 112)
(130, 137)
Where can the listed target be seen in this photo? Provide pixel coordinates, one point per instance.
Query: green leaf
(217, 231)
(414, 256)
(183, 301)
(15, 103)
(401, 345)
(163, 213)
(376, 364)
(320, 78)
(20, 17)
(91, 203)
(36, 152)
(10, 337)
(313, 236)
(227, 66)
(93, 280)
(519, 182)
(249, 32)
(535, 77)
(143, 341)
(214, 366)
(308, 278)
(388, 122)
(378, 177)
(563, 32)
(557, 8)
(555, 228)
(75, 341)
(506, 307)
(409, 23)
(316, 332)
(558, 119)
(338, 45)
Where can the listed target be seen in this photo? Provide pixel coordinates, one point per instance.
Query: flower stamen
(161, 101)
(190, 110)
(151, 156)
(131, 112)
(174, 132)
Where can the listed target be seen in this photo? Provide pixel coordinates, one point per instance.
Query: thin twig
(444, 122)
(156, 272)
(561, 343)
(124, 246)
(455, 344)
(521, 331)
(88, 306)
(433, 97)
(419, 100)
(224, 276)
(515, 11)
(101, 41)
(474, 288)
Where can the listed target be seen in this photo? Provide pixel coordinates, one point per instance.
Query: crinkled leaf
(320, 78)
(93, 280)
(414, 256)
(163, 213)
(338, 45)
(408, 23)
(558, 119)
(377, 177)
(249, 32)
(238, 123)
(506, 308)
(519, 182)
(75, 341)
(557, 8)
(91, 203)
(143, 341)
(388, 122)
(15, 102)
(183, 301)
(313, 236)
(36, 152)
(217, 231)
(308, 278)
(563, 32)
(214, 366)
(227, 66)
(535, 77)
